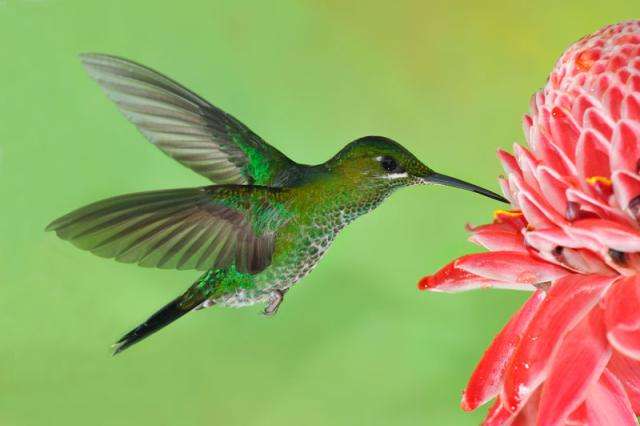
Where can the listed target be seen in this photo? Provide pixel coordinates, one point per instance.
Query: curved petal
(598, 207)
(631, 106)
(627, 188)
(452, 279)
(528, 165)
(607, 403)
(529, 414)
(627, 370)
(605, 233)
(498, 415)
(498, 237)
(625, 149)
(601, 123)
(509, 163)
(550, 154)
(553, 187)
(486, 379)
(509, 266)
(514, 219)
(506, 190)
(563, 130)
(623, 316)
(568, 300)
(584, 261)
(579, 417)
(537, 210)
(549, 238)
(578, 363)
(592, 156)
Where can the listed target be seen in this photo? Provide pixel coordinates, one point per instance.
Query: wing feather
(185, 126)
(194, 228)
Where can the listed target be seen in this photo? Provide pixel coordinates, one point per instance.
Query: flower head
(571, 354)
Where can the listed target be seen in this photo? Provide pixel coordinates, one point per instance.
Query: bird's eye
(388, 164)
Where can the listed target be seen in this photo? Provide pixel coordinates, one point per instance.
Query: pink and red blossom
(571, 354)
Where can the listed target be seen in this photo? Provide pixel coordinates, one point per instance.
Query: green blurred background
(355, 343)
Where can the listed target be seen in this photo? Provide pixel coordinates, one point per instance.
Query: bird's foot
(275, 299)
(206, 304)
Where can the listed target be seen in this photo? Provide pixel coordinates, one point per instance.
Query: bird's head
(376, 162)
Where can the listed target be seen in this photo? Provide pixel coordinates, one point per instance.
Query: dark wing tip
(90, 58)
(53, 226)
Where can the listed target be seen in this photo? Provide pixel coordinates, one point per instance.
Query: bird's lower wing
(193, 228)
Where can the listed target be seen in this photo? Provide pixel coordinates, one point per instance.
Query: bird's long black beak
(438, 179)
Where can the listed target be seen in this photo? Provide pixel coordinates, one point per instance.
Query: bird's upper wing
(193, 228)
(185, 126)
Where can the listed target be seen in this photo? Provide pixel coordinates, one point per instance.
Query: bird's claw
(275, 299)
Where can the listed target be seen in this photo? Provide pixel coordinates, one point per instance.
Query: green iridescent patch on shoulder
(258, 167)
(216, 282)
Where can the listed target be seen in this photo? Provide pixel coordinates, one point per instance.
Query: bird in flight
(264, 222)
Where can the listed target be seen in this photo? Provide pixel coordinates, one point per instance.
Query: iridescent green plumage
(262, 226)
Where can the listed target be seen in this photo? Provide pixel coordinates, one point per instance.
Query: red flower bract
(571, 354)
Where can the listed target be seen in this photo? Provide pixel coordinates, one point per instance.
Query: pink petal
(613, 101)
(514, 219)
(498, 415)
(453, 279)
(601, 233)
(528, 165)
(514, 267)
(592, 156)
(607, 403)
(579, 417)
(529, 413)
(584, 261)
(535, 217)
(627, 370)
(498, 237)
(553, 187)
(580, 105)
(599, 122)
(550, 154)
(602, 85)
(598, 207)
(578, 362)
(527, 123)
(506, 190)
(564, 131)
(625, 150)
(536, 209)
(509, 163)
(623, 316)
(631, 107)
(555, 246)
(568, 300)
(626, 188)
(549, 238)
(486, 380)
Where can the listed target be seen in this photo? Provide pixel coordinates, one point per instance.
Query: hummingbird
(261, 226)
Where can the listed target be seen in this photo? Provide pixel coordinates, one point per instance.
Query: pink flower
(571, 354)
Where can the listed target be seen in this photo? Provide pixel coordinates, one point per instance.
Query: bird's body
(264, 224)
(314, 219)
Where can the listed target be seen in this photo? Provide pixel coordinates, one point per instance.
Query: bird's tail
(165, 316)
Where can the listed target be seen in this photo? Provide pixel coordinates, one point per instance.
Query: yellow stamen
(512, 213)
(599, 179)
